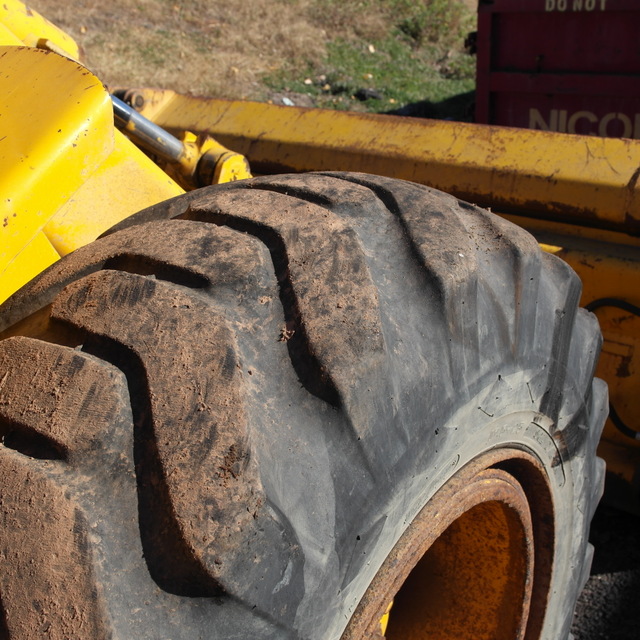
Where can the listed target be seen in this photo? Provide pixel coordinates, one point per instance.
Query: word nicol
(587, 123)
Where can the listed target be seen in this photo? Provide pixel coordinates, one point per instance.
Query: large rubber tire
(221, 420)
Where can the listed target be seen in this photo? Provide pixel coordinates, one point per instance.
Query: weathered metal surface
(572, 178)
(59, 156)
(20, 24)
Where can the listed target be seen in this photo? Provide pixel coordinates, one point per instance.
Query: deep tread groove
(561, 343)
(390, 202)
(4, 629)
(294, 333)
(170, 565)
(441, 243)
(44, 397)
(586, 413)
(29, 442)
(183, 518)
(141, 265)
(445, 274)
(268, 184)
(132, 251)
(337, 336)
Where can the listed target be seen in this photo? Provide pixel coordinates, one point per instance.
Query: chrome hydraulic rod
(145, 133)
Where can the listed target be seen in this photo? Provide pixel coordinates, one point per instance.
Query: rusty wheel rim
(476, 561)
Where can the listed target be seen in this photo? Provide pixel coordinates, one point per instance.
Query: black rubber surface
(219, 419)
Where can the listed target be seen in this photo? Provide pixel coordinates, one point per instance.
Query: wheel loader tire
(274, 408)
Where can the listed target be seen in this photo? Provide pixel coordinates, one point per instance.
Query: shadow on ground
(459, 107)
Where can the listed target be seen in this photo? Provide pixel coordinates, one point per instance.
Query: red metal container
(560, 65)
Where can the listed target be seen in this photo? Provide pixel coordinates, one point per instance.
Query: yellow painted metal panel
(55, 130)
(125, 183)
(27, 264)
(7, 37)
(554, 175)
(63, 166)
(32, 29)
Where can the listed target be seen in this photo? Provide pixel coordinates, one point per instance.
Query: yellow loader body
(60, 157)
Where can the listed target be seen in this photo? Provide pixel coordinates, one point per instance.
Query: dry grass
(309, 52)
(204, 46)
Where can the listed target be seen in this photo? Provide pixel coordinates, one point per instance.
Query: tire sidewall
(517, 427)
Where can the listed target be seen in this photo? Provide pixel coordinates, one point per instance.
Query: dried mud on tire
(219, 419)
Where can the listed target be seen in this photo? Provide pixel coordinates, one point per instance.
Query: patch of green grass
(420, 59)
(439, 22)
